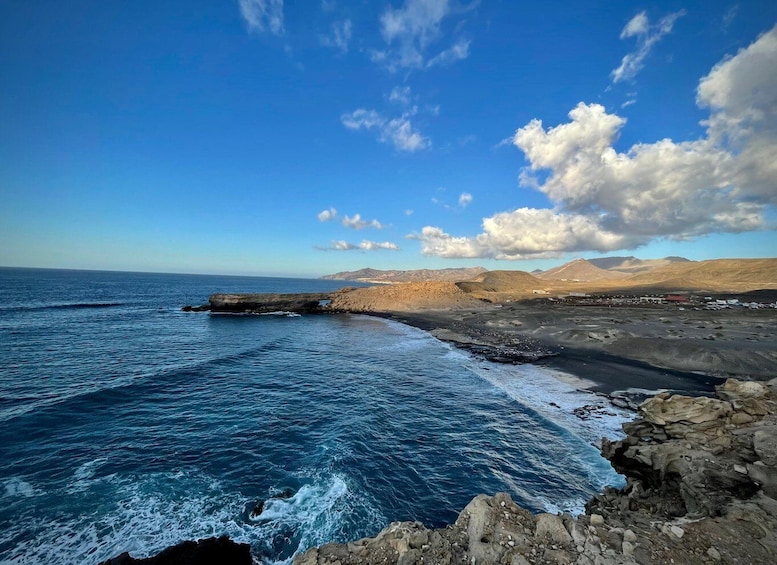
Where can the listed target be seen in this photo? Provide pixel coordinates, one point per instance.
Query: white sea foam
(544, 392)
(149, 514)
(16, 487)
(155, 511)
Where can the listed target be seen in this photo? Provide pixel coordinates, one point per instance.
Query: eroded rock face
(701, 488)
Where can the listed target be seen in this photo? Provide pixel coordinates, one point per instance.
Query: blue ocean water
(128, 425)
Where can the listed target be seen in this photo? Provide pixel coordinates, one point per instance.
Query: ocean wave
(14, 487)
(149, 513)
(60, 306)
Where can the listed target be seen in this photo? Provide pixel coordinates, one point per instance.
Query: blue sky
(302, 138)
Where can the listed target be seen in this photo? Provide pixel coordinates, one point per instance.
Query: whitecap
(16, 487)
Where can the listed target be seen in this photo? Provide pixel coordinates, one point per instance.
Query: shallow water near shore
(127, 425)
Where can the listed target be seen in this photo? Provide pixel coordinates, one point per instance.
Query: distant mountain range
(594, 274)
(417, 275)
(606, 268)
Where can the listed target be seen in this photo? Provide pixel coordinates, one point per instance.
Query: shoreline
(591, 370)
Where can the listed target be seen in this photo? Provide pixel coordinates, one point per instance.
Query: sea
(129, 425)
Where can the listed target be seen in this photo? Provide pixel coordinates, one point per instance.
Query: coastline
(701, 469)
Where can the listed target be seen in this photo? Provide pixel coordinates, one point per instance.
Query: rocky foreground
(701, 488)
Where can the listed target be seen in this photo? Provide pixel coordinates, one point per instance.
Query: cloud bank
(604, 200)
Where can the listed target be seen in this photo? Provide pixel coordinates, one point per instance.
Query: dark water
(127, 425)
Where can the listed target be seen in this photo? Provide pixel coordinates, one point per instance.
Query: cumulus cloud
(410, 31)
(398, 131)
(340, 36)
(327, 215)
(357, 223)
(604, 200)
(464, 199)
(647, 36)
(263, 15)
(365, 245)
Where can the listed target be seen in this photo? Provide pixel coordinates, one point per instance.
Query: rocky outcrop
(701, 488)
(263, 303)
(202, 552)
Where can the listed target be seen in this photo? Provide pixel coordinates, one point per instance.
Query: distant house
(677, 298)
(540, 292)
(651, 300)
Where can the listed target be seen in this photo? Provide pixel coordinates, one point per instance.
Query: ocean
(128, 425)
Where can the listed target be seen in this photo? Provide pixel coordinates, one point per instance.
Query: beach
(612, 348)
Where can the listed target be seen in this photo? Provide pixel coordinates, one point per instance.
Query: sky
(300, 138)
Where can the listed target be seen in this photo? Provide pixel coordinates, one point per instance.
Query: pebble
(629, 536)
(677, 531)
(713, 553)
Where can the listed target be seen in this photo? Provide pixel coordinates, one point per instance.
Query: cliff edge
(701, 488)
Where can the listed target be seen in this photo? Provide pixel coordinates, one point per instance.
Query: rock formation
(262, 303)
(701, 488)
(202, 552)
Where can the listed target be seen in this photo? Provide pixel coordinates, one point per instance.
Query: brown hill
(403, 297)
(632, 265)
(580, 270)
(508, 283)
(736, 275)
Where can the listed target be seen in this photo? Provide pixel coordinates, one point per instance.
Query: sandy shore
(615, 348)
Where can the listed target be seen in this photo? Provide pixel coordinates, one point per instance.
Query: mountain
(502, 281)
(580, 270)
(632, 265)
(716, 274)
(417, 275)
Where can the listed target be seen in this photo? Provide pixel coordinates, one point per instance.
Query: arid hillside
(581, 270)
(403, 297)
(715, 276)
(719, 275)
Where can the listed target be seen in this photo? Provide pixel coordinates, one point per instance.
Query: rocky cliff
(701, 488)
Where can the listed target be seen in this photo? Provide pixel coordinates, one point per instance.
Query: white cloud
(357, 223)
(464, 199)
(647, 35)
(365, 245)
(729, 17)
(410, 30)
(362, 118)
(327, 215)
(398, 131)
(604, 200)
(400, 95)
(262, 15)
(459, 51)
(408, 212)
(373, 245)
(340, 36)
